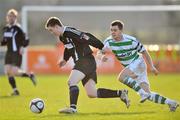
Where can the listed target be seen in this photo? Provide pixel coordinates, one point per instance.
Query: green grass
(53, 90)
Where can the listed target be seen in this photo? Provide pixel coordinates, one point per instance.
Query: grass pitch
(53, 90)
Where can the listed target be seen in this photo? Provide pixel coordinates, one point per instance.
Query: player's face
(115, 32)
(11, 18)
(54, 30)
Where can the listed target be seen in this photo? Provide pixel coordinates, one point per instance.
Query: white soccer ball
(36, 105)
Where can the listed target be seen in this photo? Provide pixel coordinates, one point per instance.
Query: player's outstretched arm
(95, 42)
(83, 37)
(150, 62)
(66, 57)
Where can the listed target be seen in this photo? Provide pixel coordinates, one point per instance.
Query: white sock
(168, 101)
(14, 89)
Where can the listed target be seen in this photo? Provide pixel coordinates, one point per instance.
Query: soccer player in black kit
(15, 40)
(76, 45)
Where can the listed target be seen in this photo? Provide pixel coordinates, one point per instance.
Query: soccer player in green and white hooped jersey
(129, 51)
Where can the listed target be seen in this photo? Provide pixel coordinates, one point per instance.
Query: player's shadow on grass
(96, 113)
(7, 97)
(118, 113)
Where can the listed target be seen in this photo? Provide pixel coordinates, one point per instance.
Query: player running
(15, 40)
(76, 45)
(129, 51)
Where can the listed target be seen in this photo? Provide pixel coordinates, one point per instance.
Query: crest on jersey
(86, 37)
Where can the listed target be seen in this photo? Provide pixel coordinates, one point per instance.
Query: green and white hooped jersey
(127, 50)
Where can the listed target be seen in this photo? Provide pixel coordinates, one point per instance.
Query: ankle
(73, 106)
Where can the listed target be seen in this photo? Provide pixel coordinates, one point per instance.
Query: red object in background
(45, 61)
(42, 61)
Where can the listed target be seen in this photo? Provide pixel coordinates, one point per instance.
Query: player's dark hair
(118, 23)
(52, 21)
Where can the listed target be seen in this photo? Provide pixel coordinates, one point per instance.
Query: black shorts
(87, 65)
(13, 58)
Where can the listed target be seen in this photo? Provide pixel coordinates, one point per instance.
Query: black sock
(74, 93)
(12, 82)
(25, 74)
(107, 93)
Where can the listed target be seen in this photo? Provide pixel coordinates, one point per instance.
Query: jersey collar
(64, 29)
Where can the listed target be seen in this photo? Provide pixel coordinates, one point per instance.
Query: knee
(90, 95)
(71, 83)
(145, 86)
(123, 75)
(10, 72)
(146, 89)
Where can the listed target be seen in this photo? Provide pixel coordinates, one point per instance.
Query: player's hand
(154, 70)
(61, 63)
(104, 58)
(21, 50)
(98, 55)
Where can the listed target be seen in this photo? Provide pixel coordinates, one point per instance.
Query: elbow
(3, 43)
(26, 43)
(101, 46)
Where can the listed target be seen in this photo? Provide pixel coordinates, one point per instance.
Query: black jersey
(77, 43)
(14, 38)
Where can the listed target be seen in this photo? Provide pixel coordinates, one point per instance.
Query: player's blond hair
(12, 11)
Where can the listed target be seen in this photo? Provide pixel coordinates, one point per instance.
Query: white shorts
(140, 69)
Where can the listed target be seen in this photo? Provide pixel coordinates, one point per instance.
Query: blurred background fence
(44, 60)
(158, 30)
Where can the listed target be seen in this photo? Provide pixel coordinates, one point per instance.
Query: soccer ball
(36, 105)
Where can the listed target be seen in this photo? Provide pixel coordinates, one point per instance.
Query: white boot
(173, 106)
(124, 98)
(68, 110)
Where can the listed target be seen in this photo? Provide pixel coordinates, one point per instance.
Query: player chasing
(76, 45)
(130, 52)
(15, 40)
